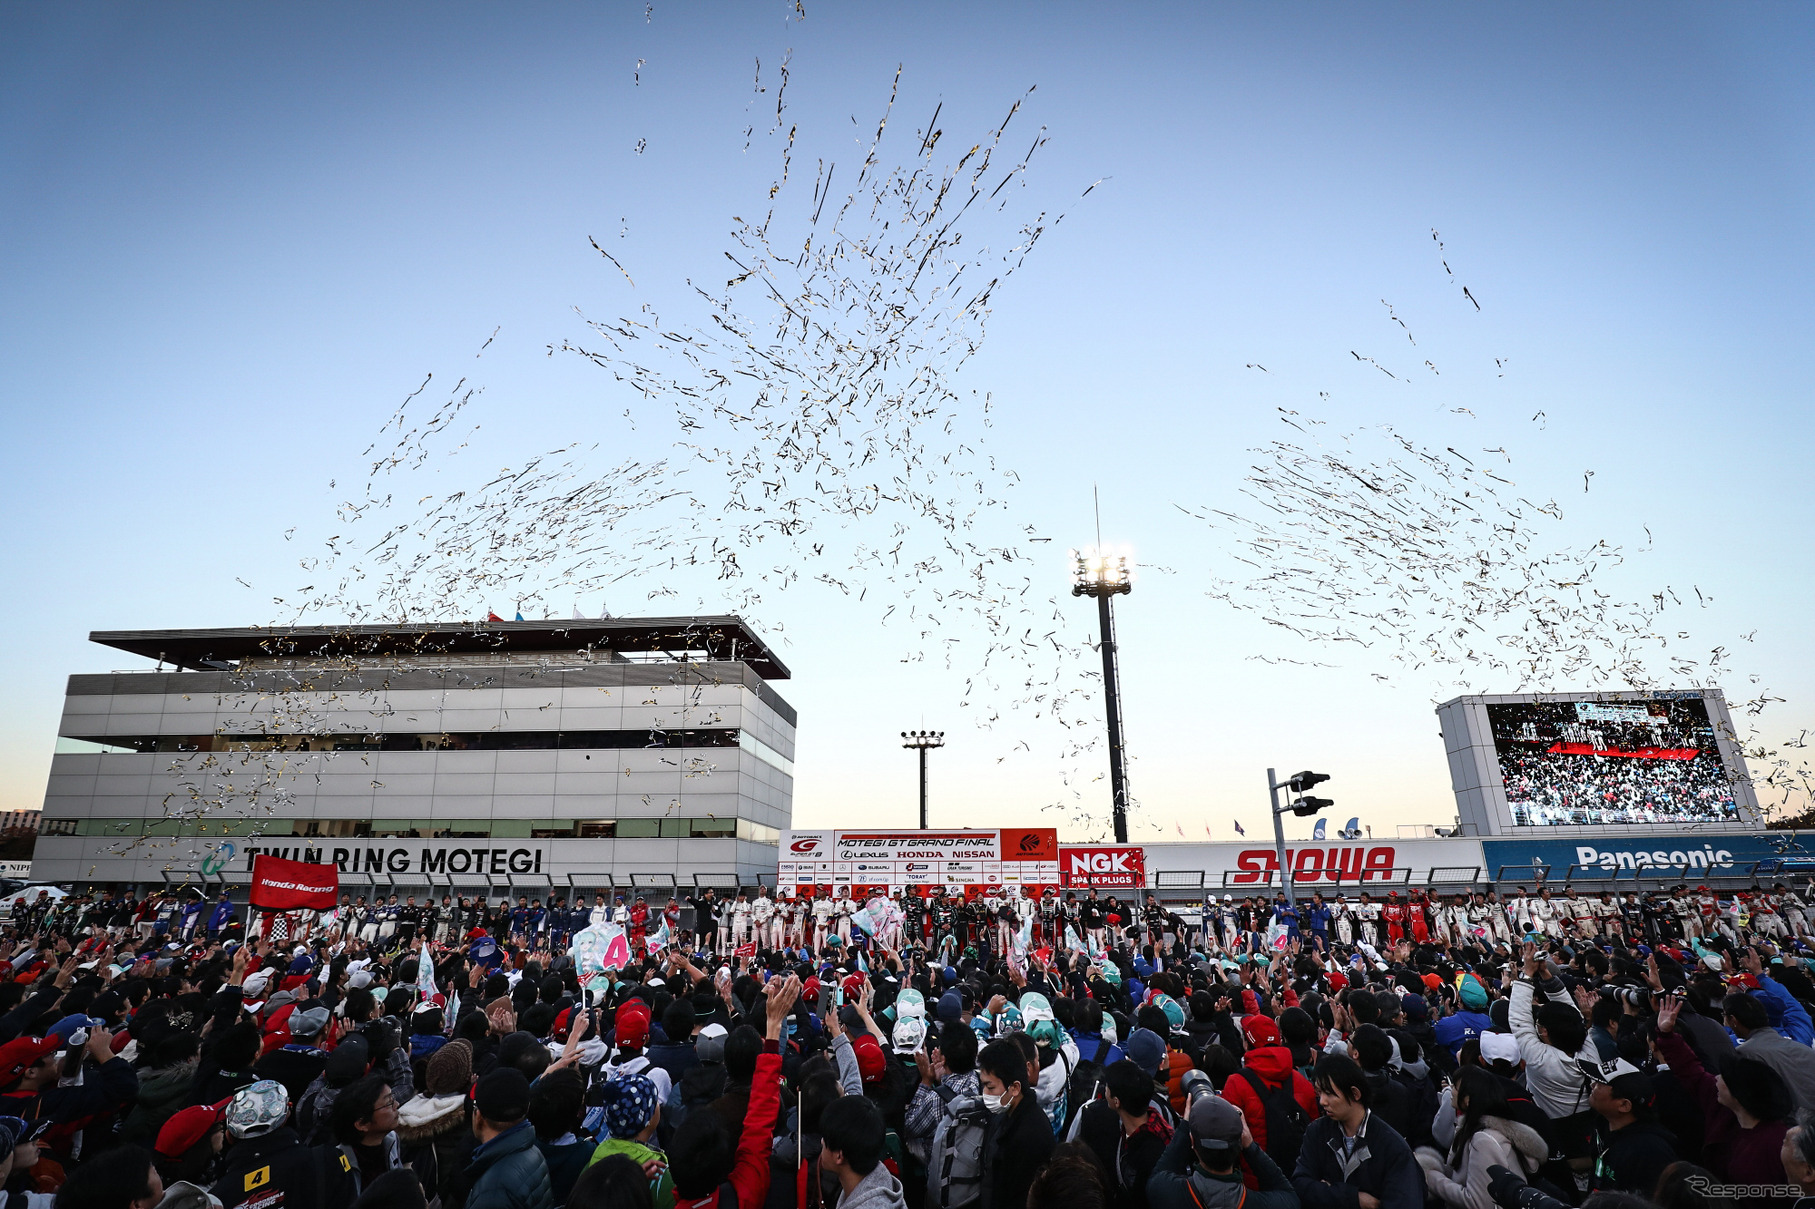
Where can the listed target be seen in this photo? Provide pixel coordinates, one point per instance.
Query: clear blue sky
(236, 237)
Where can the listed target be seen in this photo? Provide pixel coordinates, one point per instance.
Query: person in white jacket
(1485, 1136)
(1552, 1039)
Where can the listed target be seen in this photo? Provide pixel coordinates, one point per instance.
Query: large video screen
(1581, 762)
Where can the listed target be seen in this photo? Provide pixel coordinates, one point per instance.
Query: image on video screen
(1578, 762)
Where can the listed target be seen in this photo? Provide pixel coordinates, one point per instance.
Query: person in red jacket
(1419, 914)
(1269, 1063)
(707, 1173)
(1394, 914)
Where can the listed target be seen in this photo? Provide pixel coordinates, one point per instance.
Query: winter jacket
(1381, 1165)
(1128, 1158)
(1631, 1159)
(1273, 1063)
(161, 1093)
(1499, 1142)
(662, 1190)
(1787, 1016)
(877, 1190)
(295, 1066)
(303, 1177)
(1742, 1156)
(1796, 1063)
(1556, 1082)
(750, 1171)
(1016, 1145)
(1178, 1182)
(566, 1158)
(437, 1142)
(508, 1173)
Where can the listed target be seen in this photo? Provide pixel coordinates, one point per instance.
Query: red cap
(1259, 1031)
(633, 1024)
(870, 1060)
(810, 988)
(188, 1127)
(1338, 980)
(19, 1056)
(853, 986)
(1434, 982)
(562, 1021)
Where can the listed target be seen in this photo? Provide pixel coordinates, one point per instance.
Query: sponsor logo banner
(281, 885)
(1102, 865)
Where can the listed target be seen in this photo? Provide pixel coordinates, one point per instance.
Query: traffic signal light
(1309, 806)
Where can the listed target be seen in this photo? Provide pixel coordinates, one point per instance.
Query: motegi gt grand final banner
(962, 862)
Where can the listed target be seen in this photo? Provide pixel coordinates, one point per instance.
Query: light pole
(925, 741)
(1301, 806)
(1103, 575)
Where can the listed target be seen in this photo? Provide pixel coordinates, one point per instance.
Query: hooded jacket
(877, 1190)
(1273, 1063)
(1498, 1143)
(437, 1141)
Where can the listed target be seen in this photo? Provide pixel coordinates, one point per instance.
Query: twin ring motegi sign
(422, 858)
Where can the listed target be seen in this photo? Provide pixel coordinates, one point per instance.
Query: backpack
(954, 1168)
(1286, 1120)
(1086, 1081)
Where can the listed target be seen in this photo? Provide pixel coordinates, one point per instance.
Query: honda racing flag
(281, 885)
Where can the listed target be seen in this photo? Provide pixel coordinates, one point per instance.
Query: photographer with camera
(1201, 1167)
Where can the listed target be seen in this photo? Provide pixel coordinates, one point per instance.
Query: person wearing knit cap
(1266, 1068)
(432, 1126)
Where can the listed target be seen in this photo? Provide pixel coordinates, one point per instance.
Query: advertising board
(1103, 866)
(875, 861)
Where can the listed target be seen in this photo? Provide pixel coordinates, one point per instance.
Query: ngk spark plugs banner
(969, 862)
(1104, 866)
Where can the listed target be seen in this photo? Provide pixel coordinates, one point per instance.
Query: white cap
(1500, 1047)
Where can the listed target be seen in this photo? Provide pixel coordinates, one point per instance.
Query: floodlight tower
(924, 741)
(1104, 575)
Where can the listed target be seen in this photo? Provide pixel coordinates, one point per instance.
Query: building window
(597, 829)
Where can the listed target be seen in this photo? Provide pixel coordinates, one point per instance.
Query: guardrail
(1535, 872)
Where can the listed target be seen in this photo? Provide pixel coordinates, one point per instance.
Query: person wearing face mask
(1019, 1139)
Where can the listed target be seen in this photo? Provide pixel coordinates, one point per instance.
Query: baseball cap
(186, 1128)
(1259, 1030)
(20, 1055)
(1216, 1124)
(871, 1062)
(1500, 1047)
(709, 1043)
(1624, 1080)
(1146, 1049)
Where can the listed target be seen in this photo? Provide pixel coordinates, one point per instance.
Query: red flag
(746, 950)
(493, 617)
(281, 885)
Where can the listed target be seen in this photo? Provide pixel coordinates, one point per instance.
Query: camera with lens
(1196, 1085)
(1632, 997)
